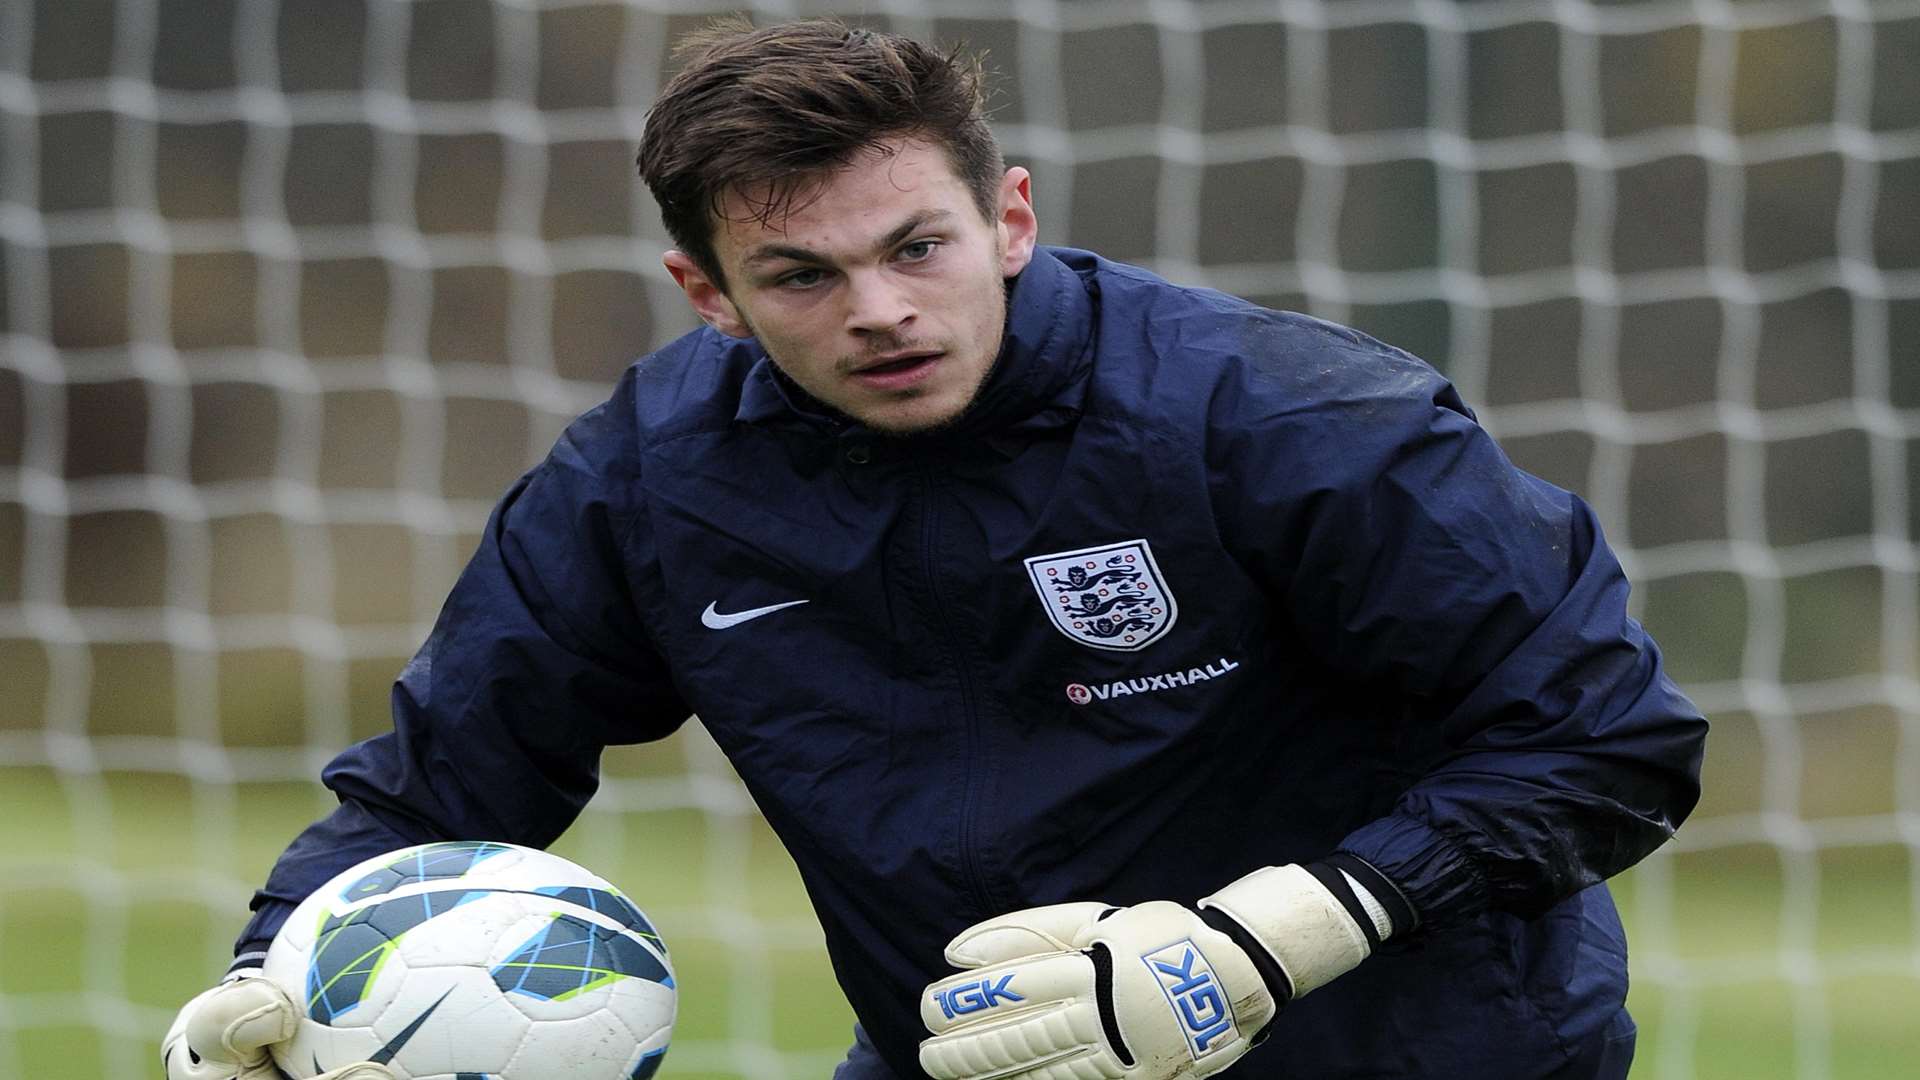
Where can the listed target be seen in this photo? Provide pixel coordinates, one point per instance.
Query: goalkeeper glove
(1154, 991)
(223, 1034)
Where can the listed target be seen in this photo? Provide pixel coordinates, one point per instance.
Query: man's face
(882, 294)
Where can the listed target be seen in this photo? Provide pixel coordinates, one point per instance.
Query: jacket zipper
(975, 878)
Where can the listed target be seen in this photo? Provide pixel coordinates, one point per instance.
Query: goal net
(290, 290)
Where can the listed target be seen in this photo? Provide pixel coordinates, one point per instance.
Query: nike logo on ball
(712, 619)
(385, 1054)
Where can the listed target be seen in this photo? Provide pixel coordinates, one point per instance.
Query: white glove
(1091, 992)
(1060, 993)
(223, 1034)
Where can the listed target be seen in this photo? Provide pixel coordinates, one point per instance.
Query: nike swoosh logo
(385, 1053)
(712, 619)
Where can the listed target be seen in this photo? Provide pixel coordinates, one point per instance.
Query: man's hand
(1149, 992)
(224, 1034)
(1087, 990)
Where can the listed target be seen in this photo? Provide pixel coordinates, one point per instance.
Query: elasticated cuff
(269, 915)
(1435, 878)
(251, 957)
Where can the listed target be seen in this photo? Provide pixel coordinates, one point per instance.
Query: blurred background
(290, 290)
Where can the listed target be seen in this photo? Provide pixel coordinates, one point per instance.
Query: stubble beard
(991, 348)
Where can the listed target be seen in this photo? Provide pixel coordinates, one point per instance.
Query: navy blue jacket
(1354, 625)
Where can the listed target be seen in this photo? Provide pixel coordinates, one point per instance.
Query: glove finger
(1057, 1042)
(1030, 1019)
(986, 995)
(1023, 933)
(237, 1020)
(181, 1063)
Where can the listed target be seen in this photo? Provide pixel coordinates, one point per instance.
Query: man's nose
(875, 304)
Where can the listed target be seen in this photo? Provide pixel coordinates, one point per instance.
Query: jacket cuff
(252, 956)
(1434, 876)
(269, 915)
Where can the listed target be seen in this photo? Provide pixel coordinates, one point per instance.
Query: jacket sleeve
(1402, 545)
(537, 662)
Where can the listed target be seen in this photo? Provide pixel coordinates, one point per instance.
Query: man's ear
(1018, 227)
(709, 300)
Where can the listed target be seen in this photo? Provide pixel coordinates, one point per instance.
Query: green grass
(1731, 981)
(104, 890)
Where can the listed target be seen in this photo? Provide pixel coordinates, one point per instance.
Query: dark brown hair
(767, 113)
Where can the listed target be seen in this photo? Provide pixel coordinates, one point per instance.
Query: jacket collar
(1037, 381)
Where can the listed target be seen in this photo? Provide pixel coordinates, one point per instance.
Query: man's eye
(802, 279)
(919, 249)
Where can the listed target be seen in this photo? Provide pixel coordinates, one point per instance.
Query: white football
(468, 959)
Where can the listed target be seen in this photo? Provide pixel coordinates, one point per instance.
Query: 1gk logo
(973, 997)
(1194, 995)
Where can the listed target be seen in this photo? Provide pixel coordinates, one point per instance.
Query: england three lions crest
(1109, 597)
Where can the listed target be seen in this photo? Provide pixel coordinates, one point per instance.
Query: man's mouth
(893, 372)
(899, 362)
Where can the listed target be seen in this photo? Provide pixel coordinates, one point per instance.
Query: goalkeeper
(1145, 683)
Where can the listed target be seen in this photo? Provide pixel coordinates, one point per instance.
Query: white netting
(292, 289)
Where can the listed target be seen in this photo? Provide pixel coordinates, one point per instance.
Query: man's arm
(538, 661)
(1405, 549)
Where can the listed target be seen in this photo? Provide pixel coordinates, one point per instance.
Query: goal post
(290, 290)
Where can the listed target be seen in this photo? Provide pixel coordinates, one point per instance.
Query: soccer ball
(466, 959)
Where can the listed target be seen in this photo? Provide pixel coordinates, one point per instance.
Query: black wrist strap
(1270, 970)
(1336, 883)
(1102, 958)
(1400, 913)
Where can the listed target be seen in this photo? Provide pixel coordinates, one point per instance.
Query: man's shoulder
(1165, 344)
(692, 383)
(688, 384)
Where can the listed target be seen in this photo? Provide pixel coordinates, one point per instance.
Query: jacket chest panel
(869, 594)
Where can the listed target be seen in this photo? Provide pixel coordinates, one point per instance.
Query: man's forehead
(871, 195)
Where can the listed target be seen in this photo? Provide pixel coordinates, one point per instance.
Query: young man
(1199, 680)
